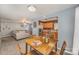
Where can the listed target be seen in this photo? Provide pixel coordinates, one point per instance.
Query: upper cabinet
(50, 23)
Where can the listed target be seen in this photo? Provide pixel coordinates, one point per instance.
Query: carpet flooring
(8, 46)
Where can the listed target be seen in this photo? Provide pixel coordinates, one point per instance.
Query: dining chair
(18, 48)
(63, 48)
(60, 52)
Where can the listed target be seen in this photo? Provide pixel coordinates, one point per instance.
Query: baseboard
(66, 51)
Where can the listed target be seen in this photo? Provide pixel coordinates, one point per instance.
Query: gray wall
(66, 27)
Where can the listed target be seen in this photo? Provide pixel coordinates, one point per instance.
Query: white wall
(0, 28)
(0, 36)
(76, 33)
(8, 26)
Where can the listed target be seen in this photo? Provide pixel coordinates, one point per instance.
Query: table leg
(29, 50)
(26, 48)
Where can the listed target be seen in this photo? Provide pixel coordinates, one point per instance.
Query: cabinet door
(48, 25)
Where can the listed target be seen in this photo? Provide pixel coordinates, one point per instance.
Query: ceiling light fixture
(32, 8)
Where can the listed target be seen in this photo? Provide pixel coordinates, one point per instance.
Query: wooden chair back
(63, 48)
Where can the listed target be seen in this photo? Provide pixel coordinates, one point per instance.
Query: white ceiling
(18, 11)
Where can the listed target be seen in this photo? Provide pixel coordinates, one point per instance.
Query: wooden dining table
(43, 48)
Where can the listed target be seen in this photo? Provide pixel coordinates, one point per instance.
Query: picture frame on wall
(34, 24)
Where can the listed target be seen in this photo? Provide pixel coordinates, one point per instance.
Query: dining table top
(43, 47)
